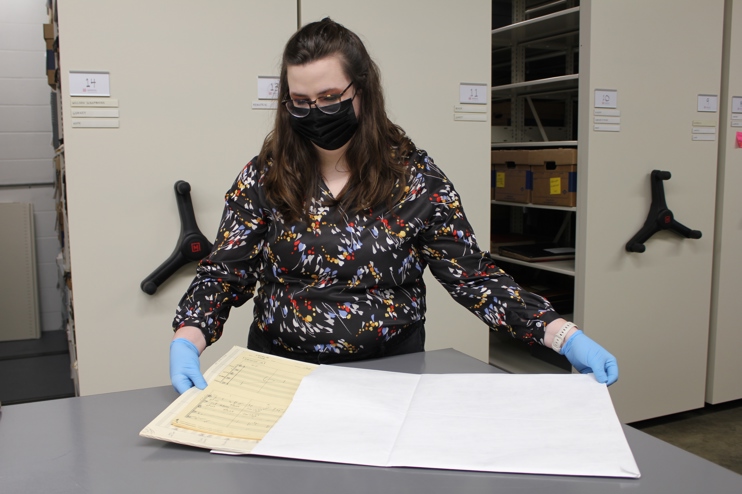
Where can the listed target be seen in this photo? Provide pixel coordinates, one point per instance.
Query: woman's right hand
(185, 368)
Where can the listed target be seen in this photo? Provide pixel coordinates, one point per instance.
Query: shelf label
(90, 84)
(704, 137)
(708, 103)
(267, 87)
(95, 123)
(606, 98)
(469, 109)
(607, 113)
(607, 128)
(470, 117)
(94, 112)
(94, 102)
(265, 105)
(606, 120)
(473, 93)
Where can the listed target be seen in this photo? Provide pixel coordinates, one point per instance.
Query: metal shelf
(561, 44)
(535, 206)
(562, 267)
(514, 357)
(535, 144)
(547, 26)
(549, 86)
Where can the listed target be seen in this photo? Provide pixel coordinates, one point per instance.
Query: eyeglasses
(329, 104)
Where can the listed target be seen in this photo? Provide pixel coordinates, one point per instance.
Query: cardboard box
(554, 174)
(558, 156)
(511, 176)
(48, 31)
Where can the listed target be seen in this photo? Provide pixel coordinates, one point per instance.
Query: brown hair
(376, 152)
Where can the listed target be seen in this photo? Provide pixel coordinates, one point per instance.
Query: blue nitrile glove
(185, 369)
(587, 356)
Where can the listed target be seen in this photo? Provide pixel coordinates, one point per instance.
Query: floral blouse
(344, 284)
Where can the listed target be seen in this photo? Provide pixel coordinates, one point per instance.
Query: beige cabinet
(725, 339)
(184, 75)
(650, 309)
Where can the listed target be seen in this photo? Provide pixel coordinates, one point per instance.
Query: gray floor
(713, 433)
(36, 370)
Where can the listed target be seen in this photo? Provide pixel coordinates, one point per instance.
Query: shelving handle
(192, 245)
(659, 217)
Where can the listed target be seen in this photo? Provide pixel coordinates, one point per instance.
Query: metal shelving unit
(534, 206)
(540, 34)
(561, 23)
(541, 87)
(562, 267)
(554, 35)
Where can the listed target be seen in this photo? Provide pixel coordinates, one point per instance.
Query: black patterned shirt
(346, 285)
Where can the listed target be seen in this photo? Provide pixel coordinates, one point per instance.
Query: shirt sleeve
(227, 277)
(470, 275)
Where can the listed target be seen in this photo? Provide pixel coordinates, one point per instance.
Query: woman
(336, 220)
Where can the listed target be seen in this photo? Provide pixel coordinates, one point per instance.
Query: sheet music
(162, 427)
(246, 398)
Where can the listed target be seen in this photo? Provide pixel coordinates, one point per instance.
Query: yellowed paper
(162, 427)
(246, 398)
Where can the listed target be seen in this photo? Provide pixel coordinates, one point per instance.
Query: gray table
(91, 445)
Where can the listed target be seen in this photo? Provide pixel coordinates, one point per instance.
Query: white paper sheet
(540, 424)
(359, 416)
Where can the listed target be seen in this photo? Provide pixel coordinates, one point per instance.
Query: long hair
(376, 153)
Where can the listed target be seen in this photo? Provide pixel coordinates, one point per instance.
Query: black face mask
(329, 132)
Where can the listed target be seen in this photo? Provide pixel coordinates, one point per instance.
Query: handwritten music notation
(246, 398)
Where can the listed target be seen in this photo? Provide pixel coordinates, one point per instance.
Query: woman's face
(320, 78)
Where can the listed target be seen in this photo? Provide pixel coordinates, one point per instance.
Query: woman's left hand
(587, 356)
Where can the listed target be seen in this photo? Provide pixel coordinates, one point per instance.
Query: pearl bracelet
(556, 345)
